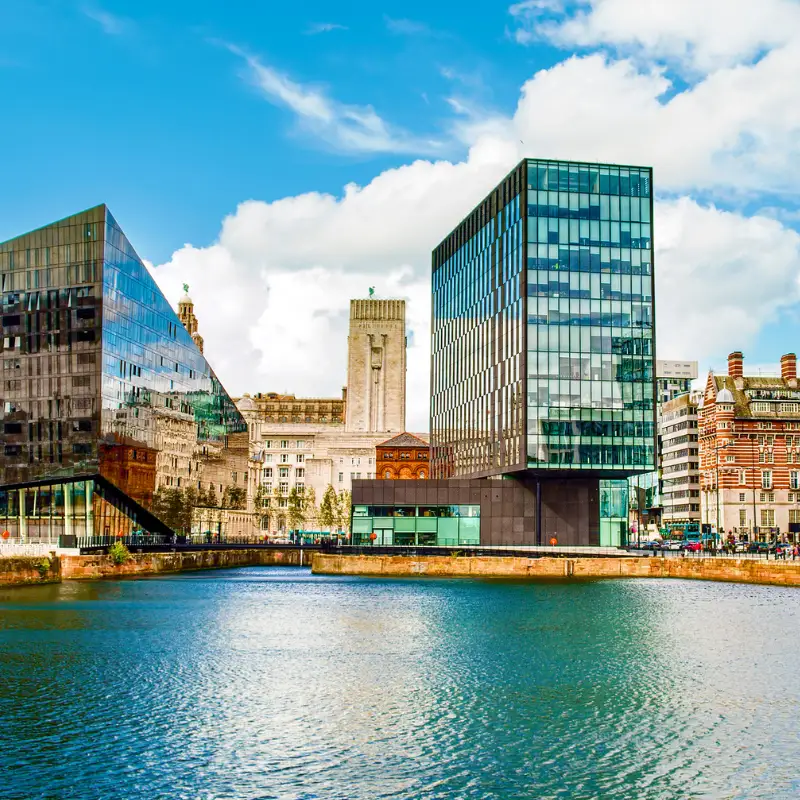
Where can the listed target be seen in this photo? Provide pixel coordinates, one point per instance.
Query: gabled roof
(404, 440)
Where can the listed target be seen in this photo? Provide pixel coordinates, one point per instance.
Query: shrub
(119, 553)
(43, 566)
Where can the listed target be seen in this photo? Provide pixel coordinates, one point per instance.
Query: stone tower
(187, 317)
(376, 366)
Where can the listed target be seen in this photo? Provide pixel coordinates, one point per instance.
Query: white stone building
(303, 443)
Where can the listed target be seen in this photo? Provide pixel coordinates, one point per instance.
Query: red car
(692, 547)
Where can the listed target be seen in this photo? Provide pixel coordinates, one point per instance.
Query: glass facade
(477, 369)
(101, 382)
(416, 525)
(586, 351)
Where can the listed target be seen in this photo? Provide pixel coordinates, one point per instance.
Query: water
(272, 683)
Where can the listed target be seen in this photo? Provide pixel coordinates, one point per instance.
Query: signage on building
(676, 369)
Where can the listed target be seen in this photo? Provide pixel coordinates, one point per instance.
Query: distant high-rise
(376, 366)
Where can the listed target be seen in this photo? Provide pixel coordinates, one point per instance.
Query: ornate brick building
(403, 457)
(750, 452)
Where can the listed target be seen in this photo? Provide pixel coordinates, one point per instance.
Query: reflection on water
(272, 683)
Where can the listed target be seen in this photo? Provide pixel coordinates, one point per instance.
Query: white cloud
(345, 127)
(325, 27)
(111, 24)
(719, 278)
(407, 27)
(703, 35)
(272, 291)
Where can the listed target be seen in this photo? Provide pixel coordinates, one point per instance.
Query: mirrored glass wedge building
(105, 396)
(543, 352)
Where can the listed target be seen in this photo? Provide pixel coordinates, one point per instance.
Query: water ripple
(270, 683)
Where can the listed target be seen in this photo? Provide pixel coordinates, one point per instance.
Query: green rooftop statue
(371, 291)
(186, 288)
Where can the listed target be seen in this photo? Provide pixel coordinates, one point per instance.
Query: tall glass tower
(543, 330)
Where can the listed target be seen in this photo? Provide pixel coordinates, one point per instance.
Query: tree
(211, 497)
(312, 512)
(262, 510)
(328, 508)
(188, 502)
(296, 511)
(343, 502)
(234, 497)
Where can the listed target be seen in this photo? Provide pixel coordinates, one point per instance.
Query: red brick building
(404, 457)
(750, 452)
(130, 466)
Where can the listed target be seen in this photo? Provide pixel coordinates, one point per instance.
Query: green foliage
(296, 512)
(234, 497)
(328, 508)
(343, 503)
(119, 553)
(261, 503)
(43, 566)
(174, 507)
(312, 512)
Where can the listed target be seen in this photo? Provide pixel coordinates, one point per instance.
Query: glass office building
(543, 332)
(105, 397)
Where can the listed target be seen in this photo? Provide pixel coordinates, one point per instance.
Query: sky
(283, 158)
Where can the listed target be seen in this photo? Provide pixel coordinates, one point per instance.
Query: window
(267, 458)
(283, 487)
(766, 479)
(387, 475)
(730, 459)
(284, 458)
(422, 473)
(357, 476)
(794, 515)
(758, 407)
(794, 479)
(767, 517)
(341, 477)
(741, 497)
(300, 458)
(770, 457)
(790, 497)
(283, 503)
(283, 472)
(369, 476)
(300, 473)
(299, 444)
(301, 489)
(791, 408)
(722, 425)
(268, 444)
(266, 473)
(742, 517)
(284, 444)
(742, 478)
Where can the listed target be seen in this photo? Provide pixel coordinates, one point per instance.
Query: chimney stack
(789, 369)
(736, 365)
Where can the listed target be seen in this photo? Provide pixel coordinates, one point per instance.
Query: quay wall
(21, 571)
(28, 570)
(739, 570)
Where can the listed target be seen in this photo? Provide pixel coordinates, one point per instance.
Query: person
(795, 552)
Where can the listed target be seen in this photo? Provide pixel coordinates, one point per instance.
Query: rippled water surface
(273, 683)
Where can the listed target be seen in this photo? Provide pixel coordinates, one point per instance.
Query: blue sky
(223, 135)
(142, 105)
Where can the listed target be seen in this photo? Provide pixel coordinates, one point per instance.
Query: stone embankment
(739, 570)
(27, 570)
(20, 571)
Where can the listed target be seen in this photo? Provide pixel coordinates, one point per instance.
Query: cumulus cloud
(272, 291)
(700, 36)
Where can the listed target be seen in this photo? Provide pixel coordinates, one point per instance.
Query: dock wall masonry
(777, 573)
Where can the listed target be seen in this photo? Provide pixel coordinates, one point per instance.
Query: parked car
(672, 544)
(691, 547)
(652, 545)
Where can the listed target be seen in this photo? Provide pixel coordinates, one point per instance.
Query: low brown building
(403, 457)
(130, 466)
